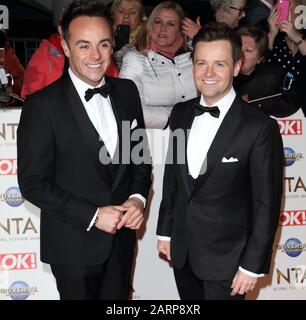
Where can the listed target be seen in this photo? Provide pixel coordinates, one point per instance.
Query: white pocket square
(231, 159)
(134, 124)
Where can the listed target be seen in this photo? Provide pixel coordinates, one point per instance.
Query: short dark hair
(260, 37)
(79, 8)
(214, 31)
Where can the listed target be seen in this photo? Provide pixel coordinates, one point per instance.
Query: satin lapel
(186, 123)
(120, 115)
(88, 131)
(228, 128)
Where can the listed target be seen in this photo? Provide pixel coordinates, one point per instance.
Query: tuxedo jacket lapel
(187, 119)
(228, 128)
(90, 136)
(120, 115)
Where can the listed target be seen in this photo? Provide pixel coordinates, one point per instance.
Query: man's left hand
(243, 283)
(134, 215)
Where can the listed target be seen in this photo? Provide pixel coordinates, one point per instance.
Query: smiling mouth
(210, 82)
(94, 66)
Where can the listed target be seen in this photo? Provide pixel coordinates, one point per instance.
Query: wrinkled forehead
(248, 41)
(128, 4)
(166, 14)
(238, 3)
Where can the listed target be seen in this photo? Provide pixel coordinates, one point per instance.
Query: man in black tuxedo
(68, 132)
(220, 206)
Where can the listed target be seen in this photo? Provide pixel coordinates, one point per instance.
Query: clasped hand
(129, 215)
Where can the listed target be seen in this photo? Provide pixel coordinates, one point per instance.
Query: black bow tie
(199, 109)
(104, 91)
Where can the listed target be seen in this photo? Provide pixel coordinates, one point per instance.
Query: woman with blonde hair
(160, 65)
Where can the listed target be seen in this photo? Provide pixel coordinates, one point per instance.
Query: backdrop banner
(23, 276)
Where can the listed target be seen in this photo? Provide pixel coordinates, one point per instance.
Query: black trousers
(110, 280)
(190, 287)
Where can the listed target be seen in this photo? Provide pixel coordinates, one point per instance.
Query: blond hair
(143, 38)
(141, 12)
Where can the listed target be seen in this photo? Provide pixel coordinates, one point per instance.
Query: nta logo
(293, 276)
(292, 184)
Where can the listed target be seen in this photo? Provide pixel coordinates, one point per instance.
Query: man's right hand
(109, 217)
(163, 247)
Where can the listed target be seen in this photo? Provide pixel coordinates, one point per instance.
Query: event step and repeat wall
(23, 276)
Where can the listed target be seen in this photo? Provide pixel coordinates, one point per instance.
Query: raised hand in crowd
(286, 26)
(273, 27)
(190, 28)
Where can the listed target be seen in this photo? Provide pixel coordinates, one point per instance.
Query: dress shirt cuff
(252, 274)
(140, 197)
(163, 238)
(92, 222)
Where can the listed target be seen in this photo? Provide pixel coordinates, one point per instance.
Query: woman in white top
(161, 67)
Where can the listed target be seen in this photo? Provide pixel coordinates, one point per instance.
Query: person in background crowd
(287, 48)
(11, 65)
(47, 64)
(128, 12)
(220, 210)
(88, 216)
(257, 12)
(161, 66)
(131, 13)
(257, 80)
(229, 12)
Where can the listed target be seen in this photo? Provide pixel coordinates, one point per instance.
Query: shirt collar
(80, 85)
(223, 104)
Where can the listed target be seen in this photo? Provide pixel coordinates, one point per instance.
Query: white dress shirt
(101, 115)
(206, 126)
